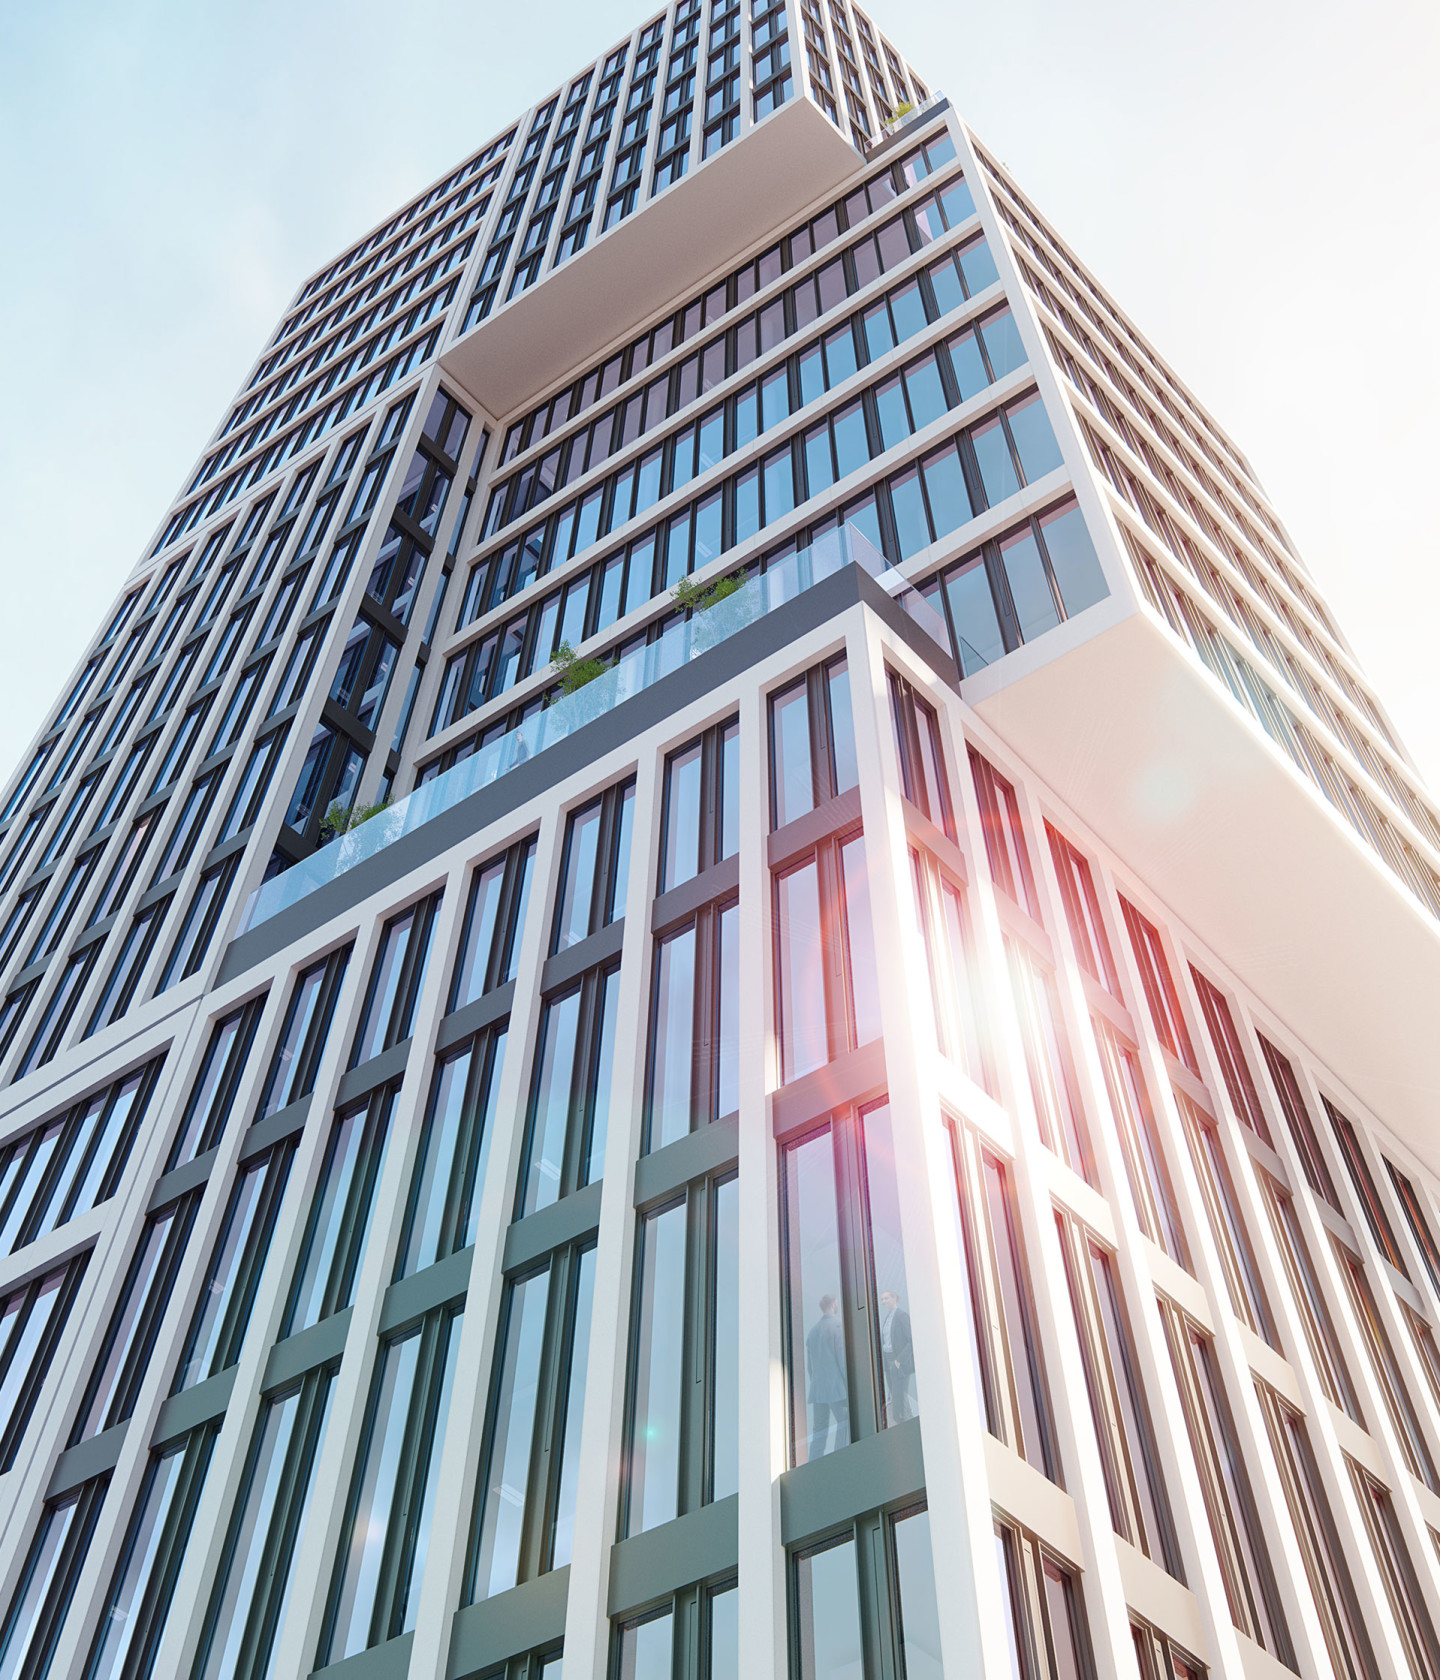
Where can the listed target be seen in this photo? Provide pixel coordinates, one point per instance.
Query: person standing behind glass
(829, 1392)
(897, 1352)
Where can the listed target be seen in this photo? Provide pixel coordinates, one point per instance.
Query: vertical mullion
(695, 1332)
(859, 1312)
(538, 1489)
(703, 1061)
(343, 1260)
(832, 937)
(576, 1125)
(710, 788)
(414, 1460)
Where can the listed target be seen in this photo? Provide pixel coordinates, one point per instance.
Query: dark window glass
(32, 1320)
(570, 1093)
(1082, 910)
(269, 1524)
(303, 1036)
(850, 1352)
(395, 980)
(1009, 1365)
(213, 1094)
(449, 1173)
(594, 872)
(339, 1222)
(494, 924)
(124, 1358)
(237, 1265)
(386, 1532)
(526, 1507)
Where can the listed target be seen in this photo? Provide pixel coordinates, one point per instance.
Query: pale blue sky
(1254, 180)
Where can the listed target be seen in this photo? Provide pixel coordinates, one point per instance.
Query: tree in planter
(690, 597)
(904, 109)
(574, 671)
(341, 819)
(707, 630)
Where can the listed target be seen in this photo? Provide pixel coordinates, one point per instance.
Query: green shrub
(340, 819)
(574, 671)
(689, 596)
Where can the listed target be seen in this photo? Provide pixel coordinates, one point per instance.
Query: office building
(719, 968)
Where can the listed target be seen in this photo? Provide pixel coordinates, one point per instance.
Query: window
(386, 1532)
(126, 971)
(1366, 1188)
(213, 1094)
(1048, 1061)
(1010, 1380)
(268, 1526)
(827, 988)
(694, 1074)
(849, 1345)
(71, 1162)
(1402, 1586)
(1375, 1335)
(1227, 1224)
(1225, 1039)
(35, 1621)
(291, 1075)
(32, 1321)
(124, 869)
(570, 1092)
(702, 798)
(1305, 1290)
(647, 1649)
(1297, 1118)
(124, 1357)
(922, 757)
(449, 1172)
(396, 980)
(1139, 1508)
(55, 1019)
(1341, 1619)
(1240, 1543)
(254, 783)
(152, 1553)
(596, 866)
(1419, 1225)
(1158, 1657)
(1005, 848)
(683, 1422)
(237, 1265)
(494, 923)
(526, 1507)
(1160, 993)
(339, 1222)
(1045, 1614)
(1145, 1164)
(812, 742)
(879, 1575)
(201, 919)
(193, 812)
(944, 924)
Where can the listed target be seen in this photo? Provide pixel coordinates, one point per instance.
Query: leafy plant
(340, 818)
(689, 596)
(574, 671)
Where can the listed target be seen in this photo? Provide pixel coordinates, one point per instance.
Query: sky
(1253, 180)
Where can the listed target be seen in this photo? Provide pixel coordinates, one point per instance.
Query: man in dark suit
(829, 1392)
